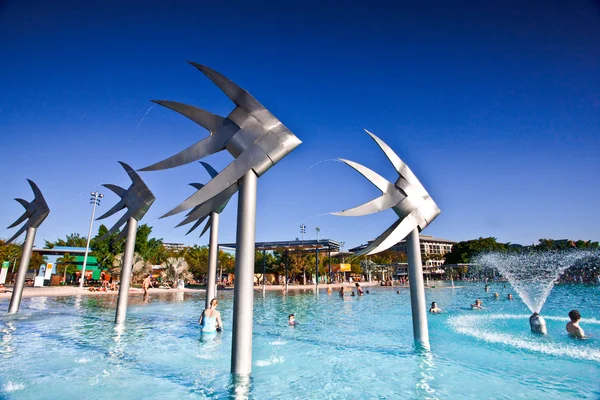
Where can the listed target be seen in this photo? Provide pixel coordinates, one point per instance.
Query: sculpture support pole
(213, 253)
(243, 295)
(15, 299)
(417, 289)
(126, 271)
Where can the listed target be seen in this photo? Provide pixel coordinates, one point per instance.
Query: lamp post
(343, 259)
(317, 261)
(302, 231)
(95, 201)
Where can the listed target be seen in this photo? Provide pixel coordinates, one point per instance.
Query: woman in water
(359, 289)
(477, 306)
(210, 319)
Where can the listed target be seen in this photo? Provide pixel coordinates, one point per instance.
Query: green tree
(463, 252)
(66, 263)
(72, 240)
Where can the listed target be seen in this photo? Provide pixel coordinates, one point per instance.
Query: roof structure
(292, 245)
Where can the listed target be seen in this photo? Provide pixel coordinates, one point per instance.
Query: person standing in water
(210, 319)
(434, 308)
(573, 326)
(359, 289)
(146, 285)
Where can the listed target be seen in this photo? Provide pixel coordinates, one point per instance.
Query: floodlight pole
(286, 269)
(264, 282)
(15, 299)
(95, 200)
(126, 271)
(317, 262)
(213, 254)
(417, 289)
(243, 295)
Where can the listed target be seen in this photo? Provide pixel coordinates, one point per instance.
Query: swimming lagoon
(351, 347)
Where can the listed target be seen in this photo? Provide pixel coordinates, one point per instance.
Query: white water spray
(532, 274)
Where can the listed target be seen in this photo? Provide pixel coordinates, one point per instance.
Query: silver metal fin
(118, 190)
(207, 120)
(380, 182)
(212, 205)
(238, 95)
(230, 175)
(120, 222)
(205, 147)
(22, 218)
(23, 202)
(395, 233)
(399, 165)
(116, 208)
(196, 224)
(36, 190)
(211, 171)
(208, 224)
(379, 204)
(16, 235)
(135, 178)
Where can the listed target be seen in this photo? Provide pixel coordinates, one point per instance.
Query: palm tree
(67, 261)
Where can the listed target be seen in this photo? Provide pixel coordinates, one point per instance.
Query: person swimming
(573, 326)
(509, 297)
(292, 320)
(397, 292)
(341, 292)
(496, 295)
(477, 305)
(434, 308)
(210, 319)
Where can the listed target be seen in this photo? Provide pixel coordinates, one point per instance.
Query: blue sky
(494, 105)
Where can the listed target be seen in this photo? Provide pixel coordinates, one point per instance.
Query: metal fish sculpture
(137, 199)
(35, 213)
(407, 197)
(250, 133)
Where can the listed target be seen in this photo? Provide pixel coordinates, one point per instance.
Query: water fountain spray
(533, 275)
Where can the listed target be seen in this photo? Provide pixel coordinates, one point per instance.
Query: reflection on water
(240, 387)
(426, 368)
(7, 331)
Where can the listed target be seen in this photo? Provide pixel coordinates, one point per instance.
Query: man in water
(434, 308)
(292, 320)
(509, 297)
(573, 326)
(496, 295)
(146, 284)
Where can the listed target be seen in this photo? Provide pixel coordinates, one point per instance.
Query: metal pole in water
(15, 299)
(417, 289)
(243, 295)
(213, 252)
(126, 271)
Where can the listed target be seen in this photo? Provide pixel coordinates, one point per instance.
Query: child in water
(292, 320)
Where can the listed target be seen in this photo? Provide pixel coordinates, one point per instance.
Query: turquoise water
(350, 348)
